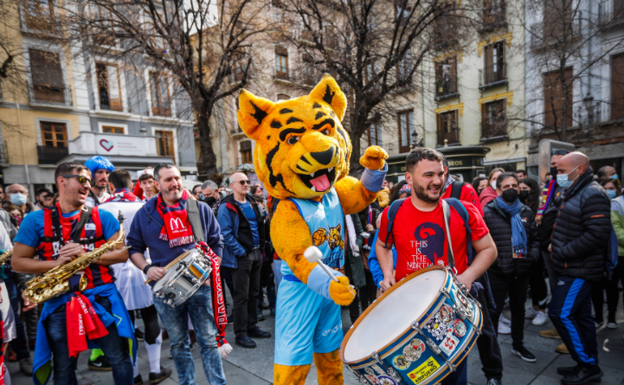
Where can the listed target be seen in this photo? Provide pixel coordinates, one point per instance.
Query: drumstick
(171, 264)
(313, 255)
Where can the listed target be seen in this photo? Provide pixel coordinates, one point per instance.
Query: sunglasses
(560, 152)
(244, 182)
(81, 179)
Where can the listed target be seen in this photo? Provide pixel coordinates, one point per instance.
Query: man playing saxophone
(97, 317)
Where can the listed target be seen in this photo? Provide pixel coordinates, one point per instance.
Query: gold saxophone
(5, 257)
(56, 281)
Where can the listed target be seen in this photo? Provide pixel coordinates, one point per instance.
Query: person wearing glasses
(58, 235)
(242, 227)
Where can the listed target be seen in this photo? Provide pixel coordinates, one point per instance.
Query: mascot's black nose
(324, 157)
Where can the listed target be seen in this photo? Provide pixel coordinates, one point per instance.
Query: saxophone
(55, 282)
(5, 257)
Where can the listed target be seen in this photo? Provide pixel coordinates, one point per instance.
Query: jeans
(459, 376)
(570, 312)
(20, 343)
(487, 343)
(114, 347)
(247, 285)
(516, 288)
(199, 308)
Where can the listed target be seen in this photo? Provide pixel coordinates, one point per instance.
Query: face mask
(493, 185)
(210, 200)
(510, 195)
(614, 176)
(201, 196)
(18, 199)
(611, 194)
(479, 192)
(523, 195)
(563, 181)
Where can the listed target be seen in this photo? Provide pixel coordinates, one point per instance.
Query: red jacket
(488, 194)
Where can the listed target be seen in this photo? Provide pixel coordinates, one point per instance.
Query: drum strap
(192, 209)
(446, 209)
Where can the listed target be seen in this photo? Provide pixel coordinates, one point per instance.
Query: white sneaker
(504, 320)
(611, 325)
(503, 329)
(540, 318)
(530, 313)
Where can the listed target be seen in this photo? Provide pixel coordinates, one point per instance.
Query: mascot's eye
(293, 139)
(325, 132)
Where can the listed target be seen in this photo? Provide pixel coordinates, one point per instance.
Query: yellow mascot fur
(302, 156)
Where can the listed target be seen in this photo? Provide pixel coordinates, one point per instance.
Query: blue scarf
(518, 233)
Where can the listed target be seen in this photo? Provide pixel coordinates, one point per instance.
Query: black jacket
(499, 224)
(581, 231)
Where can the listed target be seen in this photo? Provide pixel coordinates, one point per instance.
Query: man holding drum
(165, 226)
(420, 238)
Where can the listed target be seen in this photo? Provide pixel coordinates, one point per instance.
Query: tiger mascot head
(302, 150)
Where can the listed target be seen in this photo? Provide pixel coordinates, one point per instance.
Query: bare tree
(203, 44)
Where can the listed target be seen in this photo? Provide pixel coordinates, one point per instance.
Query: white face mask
(493, 185)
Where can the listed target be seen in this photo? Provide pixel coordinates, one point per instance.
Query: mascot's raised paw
(341, 292)
(374, 158)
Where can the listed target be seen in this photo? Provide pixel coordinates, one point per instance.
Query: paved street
(255, 366)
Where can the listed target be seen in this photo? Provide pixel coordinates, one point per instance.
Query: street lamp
(414, 136)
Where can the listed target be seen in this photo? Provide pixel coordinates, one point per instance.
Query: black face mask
(510, 195)
(523, 195)
(479, 192)
(210, 201)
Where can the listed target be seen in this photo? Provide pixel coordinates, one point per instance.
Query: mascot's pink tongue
(321, 183)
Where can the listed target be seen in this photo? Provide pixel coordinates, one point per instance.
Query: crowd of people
(510, 235)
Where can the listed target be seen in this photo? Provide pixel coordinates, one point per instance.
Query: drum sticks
(314, 255)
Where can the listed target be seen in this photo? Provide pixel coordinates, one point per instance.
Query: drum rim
(377, 301)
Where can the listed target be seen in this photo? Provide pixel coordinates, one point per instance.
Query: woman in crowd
(530, 193)
(16, 214)
(489, 193)
(479, 184)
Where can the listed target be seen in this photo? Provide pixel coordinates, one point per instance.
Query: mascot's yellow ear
(328, 91)
(253, 110)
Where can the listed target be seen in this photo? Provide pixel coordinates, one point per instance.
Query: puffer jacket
(581, 231)
(499, 224)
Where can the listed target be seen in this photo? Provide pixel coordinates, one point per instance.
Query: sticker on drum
(449, 344)
(437, 327)
(385, 380)
(379, 370)
(424, 370)
(369, 371)
(459, 328)
(446, 313)
(413, 351)
(401, 363)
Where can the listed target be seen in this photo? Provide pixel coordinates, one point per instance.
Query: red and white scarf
(177, 227)
(122, 195)
(82, 323)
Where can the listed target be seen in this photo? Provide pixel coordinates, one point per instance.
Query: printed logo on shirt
(427, 247)
(90, 226)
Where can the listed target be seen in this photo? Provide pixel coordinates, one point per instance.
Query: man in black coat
(579, 238)
(514, 231)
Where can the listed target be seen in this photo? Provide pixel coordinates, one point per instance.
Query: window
(447, 127)
(445, 26)
(617, 87)
(279, 12)
(239, 66)
(493, 119)
(39, 14)
(618, 9)
(47, 76)
(404, 68)
(307, 69)
(245, 151)
(446, 76)
(112, 130)
(281, 63)
(330, 39)
(164, 143)
(557, 18)
(369, 75)
(374, 134)
(159, 90)
(282, 97)
(53, 134)
(493, 12)
(306, 26)
(102, 26)
(495, 68)
(406, 127)
(555, 92)
(109, 86)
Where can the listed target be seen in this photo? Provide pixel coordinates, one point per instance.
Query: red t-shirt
(420, 240)
(468, 194)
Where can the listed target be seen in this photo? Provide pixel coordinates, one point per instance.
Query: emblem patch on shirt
(90, 226)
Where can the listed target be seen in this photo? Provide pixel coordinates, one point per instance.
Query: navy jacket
(582, 230)
(146, 228)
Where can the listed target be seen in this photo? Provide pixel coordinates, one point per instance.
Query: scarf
(123, 195)
(544, 200)
(179, 231)
(82, 323)
(218, 299)
(518, 233)
(351, 232)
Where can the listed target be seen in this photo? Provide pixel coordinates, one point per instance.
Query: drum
(415, 333)
(183, 279)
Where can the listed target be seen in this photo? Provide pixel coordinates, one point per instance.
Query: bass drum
(417, 332)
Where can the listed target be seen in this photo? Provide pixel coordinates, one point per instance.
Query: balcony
(548, 35)
(611, 14)
(492, 132)
(446, 87)
(448, 138)
(51, 154)
(49, 94)
(493, 76)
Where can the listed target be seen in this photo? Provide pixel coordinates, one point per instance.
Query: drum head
(390, 317)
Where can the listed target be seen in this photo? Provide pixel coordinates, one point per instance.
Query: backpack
(611, 255)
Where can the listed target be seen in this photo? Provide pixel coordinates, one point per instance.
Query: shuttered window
(557, 19)
(617, 87)
(494, 119)
(245, 151)
(281, 63)
(164, 143)
(109, 86)
(406, 127)
(47, 76)
(494, 62)
(307, 69)
(447, 128)
(446, 76)
(159, 91)
(554, 98)
(112, 130)
(39, 14)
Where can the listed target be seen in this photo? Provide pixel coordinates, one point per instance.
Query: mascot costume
(302, 157)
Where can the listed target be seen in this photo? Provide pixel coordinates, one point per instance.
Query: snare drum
(418, 332)
(183, 279)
